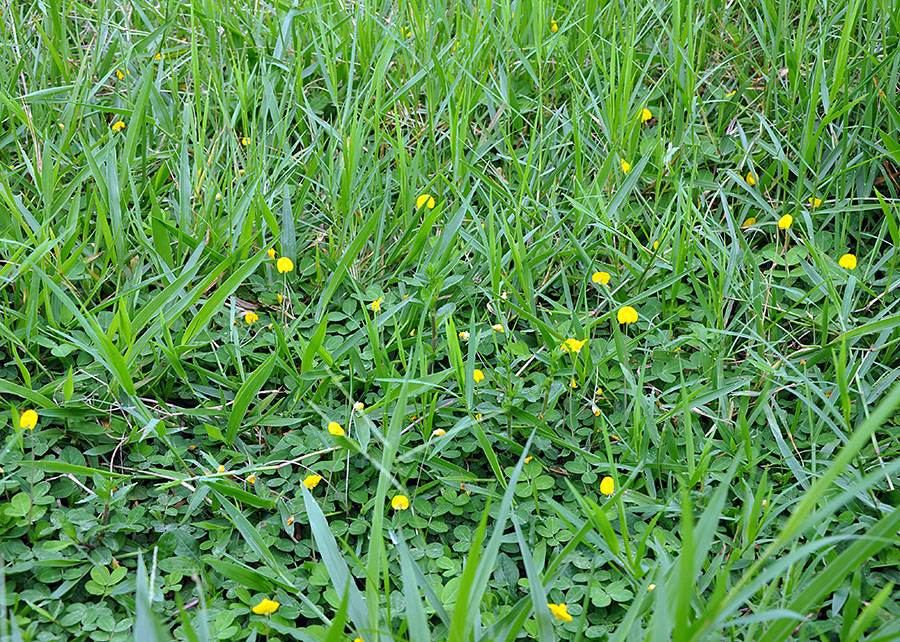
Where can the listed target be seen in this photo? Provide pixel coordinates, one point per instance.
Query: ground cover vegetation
(466, 321)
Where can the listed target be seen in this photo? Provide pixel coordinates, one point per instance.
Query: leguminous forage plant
(473, 321)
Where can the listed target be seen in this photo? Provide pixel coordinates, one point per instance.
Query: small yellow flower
(284, 264)
(573, 384)
(241, 173)
(28, 419)
(280, 297)
(271, 252)
(645, 115)
(600, 277)
(335, 428)
(221, 468)
(245, 141)
(463, 335)
(376, 304)
(477, 416)
(438, 432)
(655, 245)
(218, 197)
(749, 221)
(572, 345)
(626, 166)
(158, 56)
(815, 202)
(596, 411)
(627, 314)
(731, 93)
(312, 481)
(848, 262)
(359, 406)
(251, 479)
(498, 327)
(118, 126)
(266, 607)
(553, 26)
(651, 587)
(250, 317)
(425, 200)
(607, 486)
(120, 75)
(598, 392)
(528, 459)
(560, 611)
(478, 375)
(785, 221)
(751, 181)
(358, 640)
(290, 520)
(400, 502)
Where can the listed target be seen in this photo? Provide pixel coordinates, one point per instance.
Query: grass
(747, 419)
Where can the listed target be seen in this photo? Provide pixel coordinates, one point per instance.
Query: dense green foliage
(155, 161)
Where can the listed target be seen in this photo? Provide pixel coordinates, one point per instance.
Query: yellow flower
(553, 26)
(218, 197)
(848, 262)
(221, 468)
(751, 181)
(650, 587)
(478, 375)
(358, 640)
(572, 383)
(266, 607)
(28, 419)
(376, 304)
(560, 611)
(359, 406)
(600, 277)
(438, 432)
(627, 314)
(118, 126)
(477, 415)
(284, 264)
(335, 428)
(655, 245)
(596, 411)
(120, 75)
(280, 297)
(528, 459)
(498, 327)
(245, 141)
(598, 392)
(241, 173)
(572, 345)
(425, 200)
(731, 93)
(463, 335)
(400, 502)
(607, 486)
(271, 252)
(785, 221)
(158, 56)
(312, 481)
(626, 166)
(749, 221)
(815, 202)
(250, 317)
(645, 115)
(290, 520)
(251, 479)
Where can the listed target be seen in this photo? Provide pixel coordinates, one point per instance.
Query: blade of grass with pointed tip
(245, 395)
